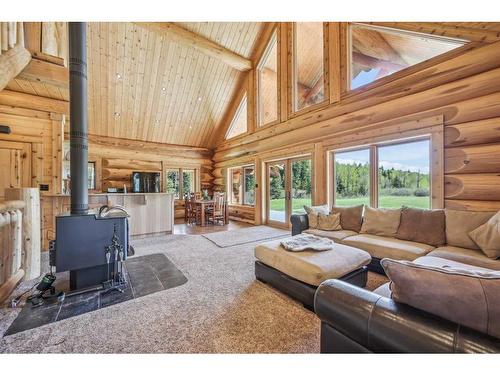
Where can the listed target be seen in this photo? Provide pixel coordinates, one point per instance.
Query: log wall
(462, 86)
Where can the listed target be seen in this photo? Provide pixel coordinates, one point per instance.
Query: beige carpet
(221, 309)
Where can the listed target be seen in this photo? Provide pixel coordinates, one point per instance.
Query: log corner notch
(12, 63)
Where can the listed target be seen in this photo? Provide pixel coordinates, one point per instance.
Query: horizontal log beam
(40, 71)
(469, 205)
(472, 133)
(480, 186)
(12, 63)
(40, 103)
(472, 159)
(171, 31)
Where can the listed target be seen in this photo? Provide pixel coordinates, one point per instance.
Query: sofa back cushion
(313, 212)
(381, 221)
(460, 223)
(329, 222)
(466, 295)
(350, 217)
(487, 237)
(424, 226)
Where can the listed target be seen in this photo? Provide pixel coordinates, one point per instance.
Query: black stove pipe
(78, 117)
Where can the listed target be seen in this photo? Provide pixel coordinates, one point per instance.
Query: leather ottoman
(298, 274)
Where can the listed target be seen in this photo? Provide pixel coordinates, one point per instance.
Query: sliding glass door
(288, 189)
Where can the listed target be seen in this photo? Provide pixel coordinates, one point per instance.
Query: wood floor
(180, 227)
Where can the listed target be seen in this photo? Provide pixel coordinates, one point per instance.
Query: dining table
(204, 204)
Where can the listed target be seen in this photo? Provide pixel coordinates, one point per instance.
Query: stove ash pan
(81, 240)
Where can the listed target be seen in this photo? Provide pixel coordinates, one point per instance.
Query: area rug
(221, 309)
(245, 235)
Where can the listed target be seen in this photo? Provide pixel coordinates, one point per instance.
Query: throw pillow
(424, 226)
(381, 221)
(329, 222)
(350, 217)
(460, 223)
(487, 237)
(464, 294)
(312, 214)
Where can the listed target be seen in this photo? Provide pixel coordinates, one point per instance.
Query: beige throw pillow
(312, 214)
(350, 217)
(381, 221)
(460, 223)
(487, 237)
(329, 222)
(464, 294)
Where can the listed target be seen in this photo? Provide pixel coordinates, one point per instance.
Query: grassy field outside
(387, 201)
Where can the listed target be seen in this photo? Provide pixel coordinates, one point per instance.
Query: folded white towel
(303, 242)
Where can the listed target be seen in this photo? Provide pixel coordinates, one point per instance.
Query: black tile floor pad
(144, 275)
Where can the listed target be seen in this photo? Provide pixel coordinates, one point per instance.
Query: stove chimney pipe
(78, 117)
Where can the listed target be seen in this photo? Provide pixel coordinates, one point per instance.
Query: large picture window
(267, 84)
(377, 52)
(241, 185)
(308, 64)
(400, 175)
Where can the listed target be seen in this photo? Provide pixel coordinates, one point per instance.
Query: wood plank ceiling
(143, 86)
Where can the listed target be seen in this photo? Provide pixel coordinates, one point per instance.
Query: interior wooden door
(15, 166)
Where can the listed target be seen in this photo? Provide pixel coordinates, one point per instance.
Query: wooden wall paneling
(334, 61)
(22, 100)
(472, 205)
(437, 167)
(37, 159)
(478, 186)
(57, 150)
(473, 159)
(40, 71)
(473, 133)
(284, 70)
(33, 36)
(319, 175)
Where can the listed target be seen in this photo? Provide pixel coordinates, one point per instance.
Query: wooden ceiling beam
(45, 72)
(12, 63)
(445, 29)
(40, 103)
(176, 33)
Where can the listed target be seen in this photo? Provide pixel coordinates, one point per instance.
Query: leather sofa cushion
(460, 223)
(387, 247)
(487, 237)
(467, 256)
(464, 294)
(350, 217)
(381, 221)
(336, 236)
(425, 226)
(312, 267)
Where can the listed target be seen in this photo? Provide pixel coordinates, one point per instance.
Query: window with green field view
(403, 175)
(173, 182)
(188, 181)
(301, 185)
(352, 177)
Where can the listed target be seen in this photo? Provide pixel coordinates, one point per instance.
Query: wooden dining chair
(218, 213)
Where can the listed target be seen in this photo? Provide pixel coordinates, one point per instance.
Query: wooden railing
(19, 238)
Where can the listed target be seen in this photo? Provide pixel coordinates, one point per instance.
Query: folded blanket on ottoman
(307, 242)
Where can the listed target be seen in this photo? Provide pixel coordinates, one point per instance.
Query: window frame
(242, 182)
(292, 69)
(274, 38)
(196, 183)
(236, 114)
(436, 162)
